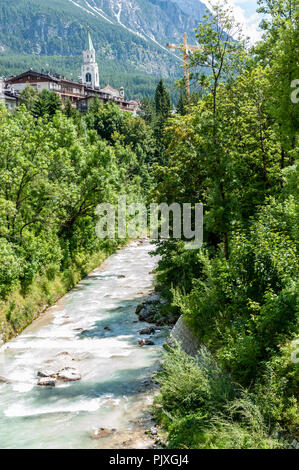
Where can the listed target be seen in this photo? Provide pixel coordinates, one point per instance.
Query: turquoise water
(111, 363)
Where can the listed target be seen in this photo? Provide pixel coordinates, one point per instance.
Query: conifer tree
(47, 103)
(181, 106)
(162, 100)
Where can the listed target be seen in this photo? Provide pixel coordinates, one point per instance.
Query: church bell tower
(90, 70)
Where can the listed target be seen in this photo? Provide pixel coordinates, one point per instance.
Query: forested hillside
(129, 38)
(137, 85)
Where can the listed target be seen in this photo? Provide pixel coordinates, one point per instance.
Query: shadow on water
(126, 383)
(122, 315)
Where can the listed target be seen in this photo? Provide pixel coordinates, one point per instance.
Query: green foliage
(182, 104)
(242, 309)
(177, 267)
(55, 168)
(11, 267)
(278, 51)
(234, 151)
(131, 136)
(162, 100)
(47, 103)
(28, 97)
(202, 408)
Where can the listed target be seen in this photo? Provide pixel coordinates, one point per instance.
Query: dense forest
(232, 146)
(54, 33)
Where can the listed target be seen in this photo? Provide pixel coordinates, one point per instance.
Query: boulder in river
(147, 331)
(63, 353)
(148, 311)
(145, 342)
(4, 380)
(102, 432)
(60, 369)
(47, 373)
(47, 381)
(69, 374)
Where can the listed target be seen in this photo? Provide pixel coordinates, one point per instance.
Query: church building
(90, 69)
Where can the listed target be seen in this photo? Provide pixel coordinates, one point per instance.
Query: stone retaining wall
(185, 337)
(189, 344)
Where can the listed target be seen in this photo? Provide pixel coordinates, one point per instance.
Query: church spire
(89, 40)
(90, 71)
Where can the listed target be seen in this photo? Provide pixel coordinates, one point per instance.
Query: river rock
(63, 353)
(4, 380)
(145, 342)
(69, 374)
(47, 381)
(146, 385)
(47, 373)
(61, 368)
(102, 432)
(147, 331)
(148, 310)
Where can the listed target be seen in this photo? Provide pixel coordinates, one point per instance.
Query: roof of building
(89, 42)
(47, 76)
(8, 97)
(108, 89)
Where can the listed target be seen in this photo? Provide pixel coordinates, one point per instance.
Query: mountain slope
(194, 8)
(129, 35)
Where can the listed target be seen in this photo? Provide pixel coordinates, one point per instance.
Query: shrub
(200, 406)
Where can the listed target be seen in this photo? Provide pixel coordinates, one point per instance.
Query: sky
(245, 14)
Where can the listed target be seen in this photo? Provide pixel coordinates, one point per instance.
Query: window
(88, 78)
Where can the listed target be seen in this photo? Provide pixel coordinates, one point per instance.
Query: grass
(200, 407)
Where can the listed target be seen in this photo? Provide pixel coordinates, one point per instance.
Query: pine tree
(162, 100)
(47, 102)
(181, 106)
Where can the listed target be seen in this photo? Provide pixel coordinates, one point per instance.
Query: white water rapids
(95, 323)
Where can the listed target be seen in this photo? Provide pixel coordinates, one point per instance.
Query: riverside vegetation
(56, 167)
(235, 151)
(233, 147)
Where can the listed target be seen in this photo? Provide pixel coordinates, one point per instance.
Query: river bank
(20, 309)
(96, 324)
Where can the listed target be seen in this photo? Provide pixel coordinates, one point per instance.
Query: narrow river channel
(94, 324)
